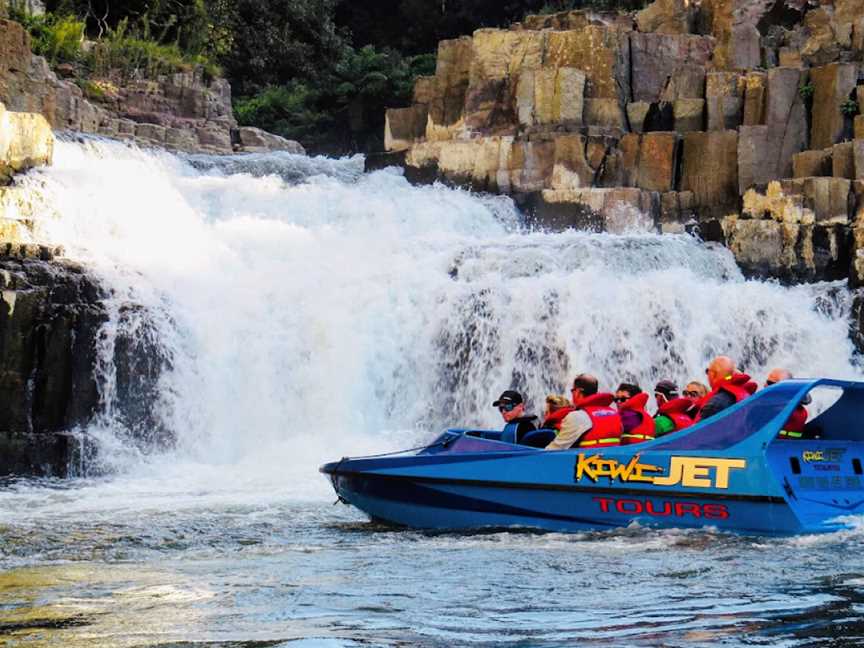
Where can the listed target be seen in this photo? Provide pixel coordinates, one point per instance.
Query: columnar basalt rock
(833, 86)
(712, 117)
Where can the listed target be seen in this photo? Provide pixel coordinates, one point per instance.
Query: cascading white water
(308, 311)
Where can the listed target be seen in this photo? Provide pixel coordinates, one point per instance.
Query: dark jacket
(517, 428)
(719, 402)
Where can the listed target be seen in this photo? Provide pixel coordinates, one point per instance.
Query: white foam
(319, 313)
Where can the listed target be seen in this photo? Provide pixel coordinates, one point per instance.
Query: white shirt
(573, 426)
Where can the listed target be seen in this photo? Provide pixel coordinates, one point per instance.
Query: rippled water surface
(190, 568)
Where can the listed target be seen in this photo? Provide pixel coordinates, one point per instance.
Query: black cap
(508, 397)
(668, 388)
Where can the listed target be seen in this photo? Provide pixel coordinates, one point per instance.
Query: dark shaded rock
(660, 117)
(48, 325)
(51, 324)
(560, 216)
(38, 455)
(376, 161)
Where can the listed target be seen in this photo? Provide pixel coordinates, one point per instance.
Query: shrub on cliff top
(343, 109)
(57, 38)
(288, 110)
(136, 56)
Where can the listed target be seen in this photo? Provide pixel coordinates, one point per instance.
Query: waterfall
(304, 310)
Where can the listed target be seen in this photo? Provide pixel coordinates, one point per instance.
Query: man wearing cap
(673, 412)
(516, 424)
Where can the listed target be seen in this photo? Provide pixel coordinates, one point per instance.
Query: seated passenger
(516, 423)
(794, 427)
(637, 424)
(728, 387)
(695, 390)
(674, 412)
(557, 407)
(593, 423)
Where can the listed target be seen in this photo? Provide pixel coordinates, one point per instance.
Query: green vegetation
(321, 71)
(806, 91)
(133, 55)
(849, 108)
(56, 37)
(355, 92)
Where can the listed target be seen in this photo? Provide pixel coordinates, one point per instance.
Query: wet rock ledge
(52, 312)
(50, 316)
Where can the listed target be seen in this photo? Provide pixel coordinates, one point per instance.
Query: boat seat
(538, 438)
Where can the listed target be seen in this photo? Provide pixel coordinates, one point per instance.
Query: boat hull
(443, 504)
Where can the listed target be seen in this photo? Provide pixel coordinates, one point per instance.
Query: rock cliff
(51, 319)
(737, 118)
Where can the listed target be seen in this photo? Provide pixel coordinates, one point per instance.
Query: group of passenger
(590, 418)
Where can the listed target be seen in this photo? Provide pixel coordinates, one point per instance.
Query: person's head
(777, 375)
(583, 385)
(626, 391)
(665, 391)
(719, 369)
(554, 402)
(694, 389)
(511, 405)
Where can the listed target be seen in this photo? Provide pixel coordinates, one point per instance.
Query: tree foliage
(322, 71)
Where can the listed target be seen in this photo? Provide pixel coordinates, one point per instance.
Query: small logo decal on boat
(830, 455)
(690, 472)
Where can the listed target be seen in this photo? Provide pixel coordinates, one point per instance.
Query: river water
(306, 311)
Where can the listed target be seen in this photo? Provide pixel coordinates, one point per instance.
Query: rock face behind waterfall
(736, 117)
(51, 327)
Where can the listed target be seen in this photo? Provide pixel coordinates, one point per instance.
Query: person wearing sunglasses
(516, 423)
(594, 423)
(728, 386)
(637, 424)
(695, 390)
(794, 427)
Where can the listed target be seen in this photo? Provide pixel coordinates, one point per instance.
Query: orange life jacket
(794, 427)
(645, 430)
(553, 421)
(738, 385)
(676, 409)
(606, 425)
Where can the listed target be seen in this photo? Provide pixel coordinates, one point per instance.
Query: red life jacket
(553, 421)
(794, 427)
(676, 409)
(606, 425)
(645, 430)
(738, 385)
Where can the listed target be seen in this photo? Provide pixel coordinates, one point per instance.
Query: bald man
(728, 386)
(776, 375)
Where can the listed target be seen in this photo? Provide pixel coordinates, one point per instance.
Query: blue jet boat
(730, 471)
